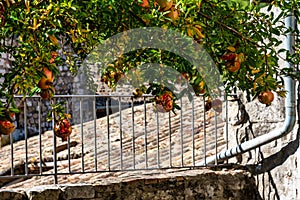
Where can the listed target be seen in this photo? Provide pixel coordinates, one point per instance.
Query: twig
(230, 29)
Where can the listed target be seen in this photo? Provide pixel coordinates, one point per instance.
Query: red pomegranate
(63, 129)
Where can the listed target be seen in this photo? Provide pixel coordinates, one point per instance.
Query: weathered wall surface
(192, 185)
(274, 165)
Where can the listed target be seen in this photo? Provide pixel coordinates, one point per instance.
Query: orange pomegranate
(47, 80)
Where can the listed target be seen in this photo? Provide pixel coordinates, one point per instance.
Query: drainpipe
(290, 111)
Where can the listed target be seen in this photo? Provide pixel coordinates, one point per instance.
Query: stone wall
(192, 184)
(274, 165)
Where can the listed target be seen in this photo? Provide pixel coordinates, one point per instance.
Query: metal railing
(130, 136)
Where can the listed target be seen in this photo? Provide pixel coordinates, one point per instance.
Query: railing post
(54, 152)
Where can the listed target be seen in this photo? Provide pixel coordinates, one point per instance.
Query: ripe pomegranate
(63, 129)
(266, 97)
(164, 102)
(47, 80)
(233, 61)
(6, 127)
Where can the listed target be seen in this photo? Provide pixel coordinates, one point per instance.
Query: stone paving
(169, 145)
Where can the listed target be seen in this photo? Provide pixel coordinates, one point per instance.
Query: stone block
(49, 192)
(77, 191)
(12, 195)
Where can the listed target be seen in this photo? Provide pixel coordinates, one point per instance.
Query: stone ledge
(190, 184)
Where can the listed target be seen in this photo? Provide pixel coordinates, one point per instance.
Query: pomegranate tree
(39, 36)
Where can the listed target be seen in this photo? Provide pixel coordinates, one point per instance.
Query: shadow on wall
(277, 159)
(269, 163)
(273, 161)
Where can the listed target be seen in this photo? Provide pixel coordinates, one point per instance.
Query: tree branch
(230, 29)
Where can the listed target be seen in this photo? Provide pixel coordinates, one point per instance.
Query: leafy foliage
(30, 31)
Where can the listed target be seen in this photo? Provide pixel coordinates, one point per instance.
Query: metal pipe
(54, 152)
(157, 140)
(108, 134)
(204, 133)
(181, 134)
(170, 140)
(121, 134)
(290, 110)
(146, 134)
(81, 134)
(133, 133)
(26, 138)
(193, 133)
(95, 135)
(40, 135)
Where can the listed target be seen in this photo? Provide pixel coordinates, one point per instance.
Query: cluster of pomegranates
(62, 126)
(233, 64)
